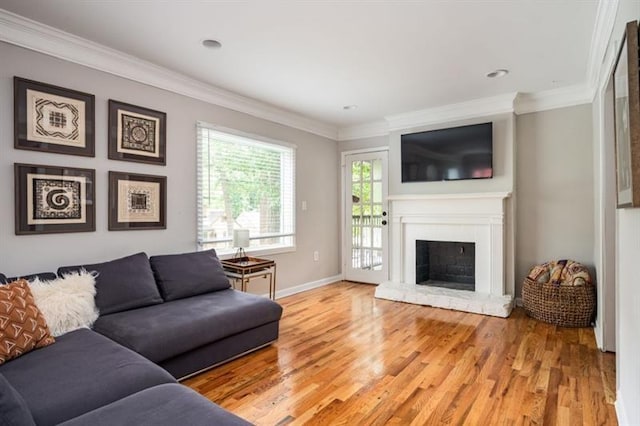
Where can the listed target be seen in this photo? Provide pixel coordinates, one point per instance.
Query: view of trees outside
(366, 194)
(242, 190)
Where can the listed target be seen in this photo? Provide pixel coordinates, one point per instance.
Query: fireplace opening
(447, 264)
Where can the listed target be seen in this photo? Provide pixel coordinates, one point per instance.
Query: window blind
(244, 183)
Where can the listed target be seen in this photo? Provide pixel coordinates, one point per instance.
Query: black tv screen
(456, 153)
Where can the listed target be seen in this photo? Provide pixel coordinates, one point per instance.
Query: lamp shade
(241, 238)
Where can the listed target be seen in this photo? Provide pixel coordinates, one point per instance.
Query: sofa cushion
(122, 284)
(13, 409)
(169, 405)
(163, 331)
(188, 274)
(22, 325)
(81, 372)
(67, 303)
(30, 277)
(39, 275)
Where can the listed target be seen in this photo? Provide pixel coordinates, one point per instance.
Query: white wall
(628, 308)
(317, 180)
(554, 175)
(627, 249)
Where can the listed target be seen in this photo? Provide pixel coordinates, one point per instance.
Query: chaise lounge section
(179, 310)
(161, 319)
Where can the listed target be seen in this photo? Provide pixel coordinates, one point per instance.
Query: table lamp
(240, 241)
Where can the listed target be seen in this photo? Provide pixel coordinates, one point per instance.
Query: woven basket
(566, 306)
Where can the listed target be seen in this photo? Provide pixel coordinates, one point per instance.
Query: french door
(366, 222)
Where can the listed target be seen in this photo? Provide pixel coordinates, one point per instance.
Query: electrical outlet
(316, 256)
(304, 206)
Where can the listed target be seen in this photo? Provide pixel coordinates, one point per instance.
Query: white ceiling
(314, 57)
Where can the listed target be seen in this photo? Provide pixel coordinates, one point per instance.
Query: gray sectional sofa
(161, 319)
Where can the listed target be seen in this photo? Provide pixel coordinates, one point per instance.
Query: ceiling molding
(554, 98)
(461, 111)
(361, 131)
(602, 31)
(23, 32)
(521, 103)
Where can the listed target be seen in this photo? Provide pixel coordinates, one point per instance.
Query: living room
(552, 155)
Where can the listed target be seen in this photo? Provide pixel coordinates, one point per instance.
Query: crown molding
(361, 131)
(461, 111)
(33, 35)
(602, 31)
(554, 98)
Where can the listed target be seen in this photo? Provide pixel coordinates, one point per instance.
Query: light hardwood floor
(344, 357)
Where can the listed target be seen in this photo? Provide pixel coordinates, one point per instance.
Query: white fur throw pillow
(67, 303)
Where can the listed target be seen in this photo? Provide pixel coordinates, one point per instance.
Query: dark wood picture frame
(626, 92)
(137, 134)
(52, 199)
(137, 201)
(53, 119)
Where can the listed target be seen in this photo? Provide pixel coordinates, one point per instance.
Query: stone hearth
(473, 218)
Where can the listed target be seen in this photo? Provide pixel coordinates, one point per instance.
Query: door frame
(343, 203)
(606, 328)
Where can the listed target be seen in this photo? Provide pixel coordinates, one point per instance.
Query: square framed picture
(626, 106)
(51, 199)
(53, 119)
(137, 134)
(137, 201)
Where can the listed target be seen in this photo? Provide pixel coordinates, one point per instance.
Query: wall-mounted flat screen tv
(456, 153)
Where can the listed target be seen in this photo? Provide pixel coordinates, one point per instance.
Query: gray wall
(364, 143)
(317, 179)
(503, 161)
(554, 175)
(502, 180)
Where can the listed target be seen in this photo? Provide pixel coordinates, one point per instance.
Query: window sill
(229, 254)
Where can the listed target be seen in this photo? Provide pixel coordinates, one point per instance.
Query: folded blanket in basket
(561, 272)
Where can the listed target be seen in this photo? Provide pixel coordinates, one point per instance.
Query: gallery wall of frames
(54, 199)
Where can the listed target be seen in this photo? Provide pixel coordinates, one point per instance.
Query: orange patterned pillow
(22, 326)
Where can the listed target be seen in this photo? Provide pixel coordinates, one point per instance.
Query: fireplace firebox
(447, 264)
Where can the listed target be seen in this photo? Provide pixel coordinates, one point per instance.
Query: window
(244, 183)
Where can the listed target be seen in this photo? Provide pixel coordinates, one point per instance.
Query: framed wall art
(137, 201)
(626, 89)
(137, 134)
(51, 199)
(53, 119)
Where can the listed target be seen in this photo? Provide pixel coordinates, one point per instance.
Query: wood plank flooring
(346, 358)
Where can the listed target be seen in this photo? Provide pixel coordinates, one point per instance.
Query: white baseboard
(518, 301)
(621, 412)
(306, 286)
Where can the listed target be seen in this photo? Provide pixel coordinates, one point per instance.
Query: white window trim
(257, 139)
(245, 135)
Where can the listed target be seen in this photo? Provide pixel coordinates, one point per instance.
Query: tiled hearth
(470, 218)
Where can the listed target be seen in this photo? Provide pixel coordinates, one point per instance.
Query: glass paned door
(366, 220)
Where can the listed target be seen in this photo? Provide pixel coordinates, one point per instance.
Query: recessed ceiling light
(211, 44)
(349, 107)
(497, 73)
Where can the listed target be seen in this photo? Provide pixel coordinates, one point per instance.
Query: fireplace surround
(478, 218)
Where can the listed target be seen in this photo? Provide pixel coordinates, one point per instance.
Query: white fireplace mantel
(478, 218)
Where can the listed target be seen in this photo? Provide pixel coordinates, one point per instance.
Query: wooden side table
(244, 269)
